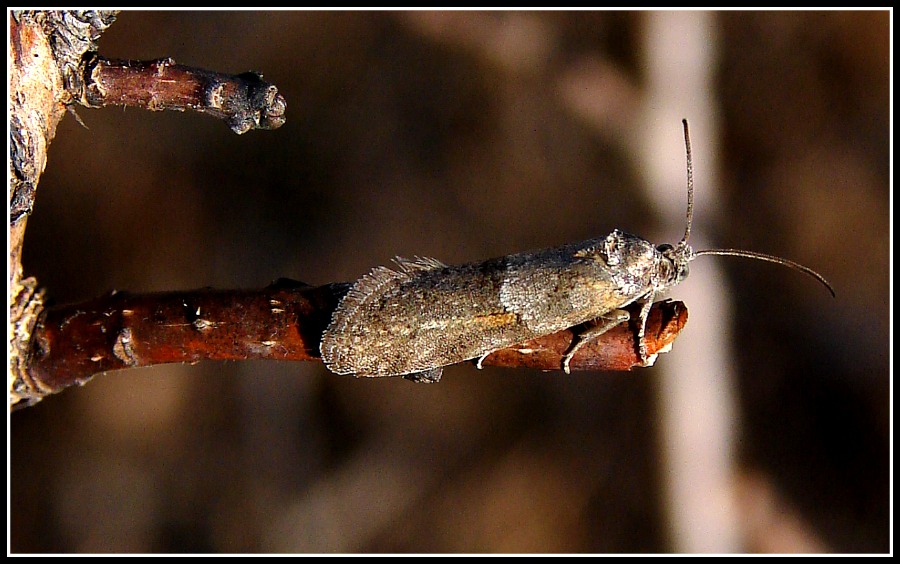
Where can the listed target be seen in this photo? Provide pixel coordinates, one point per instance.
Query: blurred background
(464, 136)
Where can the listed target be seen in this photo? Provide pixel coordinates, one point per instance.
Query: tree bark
(45, 50)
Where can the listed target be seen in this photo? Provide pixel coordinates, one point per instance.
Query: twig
(52, 64)
(615, 350)
(284, 321)
(244, 101)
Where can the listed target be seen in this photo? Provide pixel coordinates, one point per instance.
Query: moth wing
(378, 278)
(553, 292)
(370, 285)
(529, 296)
(418, 264)
(345, 342)
(365, 290)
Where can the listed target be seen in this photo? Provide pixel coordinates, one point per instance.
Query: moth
(423, 315)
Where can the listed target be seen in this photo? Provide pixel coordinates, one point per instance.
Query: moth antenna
(690, 183)
(732, 252)
(769, 258)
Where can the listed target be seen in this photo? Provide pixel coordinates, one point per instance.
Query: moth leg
(611, 319)
(426, 376)
(645, 311)
(481, 359)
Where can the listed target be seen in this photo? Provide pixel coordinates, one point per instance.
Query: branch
(45, 54)
(52, 63)
(244, 101)
(44, 47)
(615, 350)
(284, 321)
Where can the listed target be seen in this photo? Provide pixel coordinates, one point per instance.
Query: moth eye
(664, 248)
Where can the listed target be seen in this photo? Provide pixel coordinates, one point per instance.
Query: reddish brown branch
(284, 321)
(244, 101)
(615, 350)
(120, 330)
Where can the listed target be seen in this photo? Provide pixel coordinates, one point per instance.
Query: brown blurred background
(466, 136)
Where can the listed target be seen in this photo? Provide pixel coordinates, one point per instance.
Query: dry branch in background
(243, 101)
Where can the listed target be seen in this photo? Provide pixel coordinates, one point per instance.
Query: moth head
(674, 268)
(634, 264)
